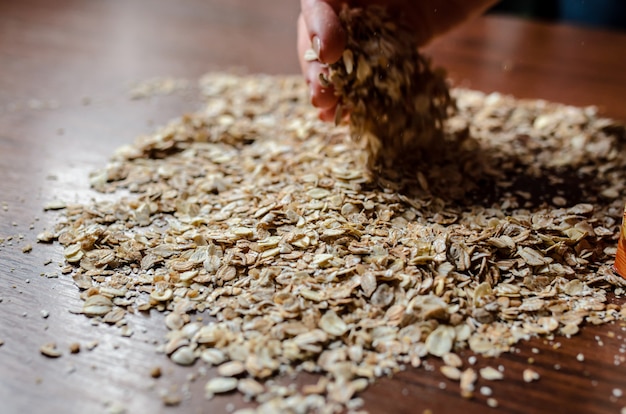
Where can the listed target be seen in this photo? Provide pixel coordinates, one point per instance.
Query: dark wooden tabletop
(65, 71)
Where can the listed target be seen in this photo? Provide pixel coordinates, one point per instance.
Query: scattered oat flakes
(452, 359)
(529, 375)
(155, 372)
(55, 205)
(491, 374)
(468, 379)
(126, 331)
(450, 372)
(220, 385)
(231, 369)
(46, 237)
(184, 356)
(97, 305)
(171, 398)
(250, 387)
(486, 391)
(50, 350)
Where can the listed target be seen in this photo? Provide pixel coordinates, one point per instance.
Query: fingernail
(316, 45)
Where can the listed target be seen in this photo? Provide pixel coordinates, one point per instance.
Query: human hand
(320, 29)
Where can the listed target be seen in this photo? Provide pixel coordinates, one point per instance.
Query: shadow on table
(469, 172)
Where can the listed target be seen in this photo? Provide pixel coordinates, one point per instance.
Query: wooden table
(65, 71)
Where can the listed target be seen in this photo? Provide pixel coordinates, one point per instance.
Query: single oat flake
(50, 350)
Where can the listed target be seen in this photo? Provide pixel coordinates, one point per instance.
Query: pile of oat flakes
(257, 214)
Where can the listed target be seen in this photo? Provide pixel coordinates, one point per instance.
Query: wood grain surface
(65, 71)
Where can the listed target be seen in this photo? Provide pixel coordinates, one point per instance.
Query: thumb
(326, 33)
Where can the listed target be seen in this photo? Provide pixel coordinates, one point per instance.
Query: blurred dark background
(608, 14)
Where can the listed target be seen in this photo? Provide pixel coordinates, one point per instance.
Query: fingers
(324, 28)
(328, 114)
(321, 97)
